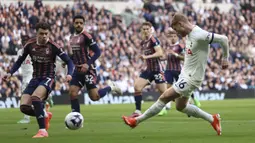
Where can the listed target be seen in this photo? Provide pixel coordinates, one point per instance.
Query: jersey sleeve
(93, 47)
(206, 36)
(63, 56)
(89, 39)
(155, 42)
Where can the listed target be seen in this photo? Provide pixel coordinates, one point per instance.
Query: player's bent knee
(95, 98)
(180, 107)
(73, 93)
(35, 98)
(27, 109)
(138, 88)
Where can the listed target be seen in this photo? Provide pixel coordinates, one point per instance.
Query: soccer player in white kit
(26, 72)
(192, 73)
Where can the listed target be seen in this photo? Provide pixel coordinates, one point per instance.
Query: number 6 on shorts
(183, 87)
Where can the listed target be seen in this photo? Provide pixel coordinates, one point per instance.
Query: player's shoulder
(86, 34)
(198, 31)
(54, 44)
(154, 40)
(29, 42)
(181, 45)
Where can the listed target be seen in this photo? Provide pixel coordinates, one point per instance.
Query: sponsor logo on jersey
(189, 52)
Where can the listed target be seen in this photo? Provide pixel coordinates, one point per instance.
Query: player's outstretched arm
(223, 41)
(69, 62)
(97, 52)
(19, 61)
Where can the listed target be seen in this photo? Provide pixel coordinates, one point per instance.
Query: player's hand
(143, 57)
(173, 53)
(224, 63)
(68, 78)
(63, 65)
(7, 77)
(83, 67)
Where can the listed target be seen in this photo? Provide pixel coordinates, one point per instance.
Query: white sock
(152, 111)
(45, 113)
(168, 106)
(194, 111)
(26, 117)
(42, 130)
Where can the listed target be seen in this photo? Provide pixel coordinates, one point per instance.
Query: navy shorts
(35, 82)
(171, 76)
(157, 76)
(89, 79)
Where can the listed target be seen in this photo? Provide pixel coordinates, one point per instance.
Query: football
(74, 120)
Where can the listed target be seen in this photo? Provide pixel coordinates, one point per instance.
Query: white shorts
(25, 82)
(24, 85)
(184, 87)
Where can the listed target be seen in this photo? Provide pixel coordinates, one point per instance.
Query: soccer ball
(74, 120)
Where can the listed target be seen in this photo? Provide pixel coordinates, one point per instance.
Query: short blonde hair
(179, 17)
(147, 24)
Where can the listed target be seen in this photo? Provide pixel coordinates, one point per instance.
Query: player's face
(78, 25)
(173, 38)
(180, 29)
(43, 35)
(146, 31)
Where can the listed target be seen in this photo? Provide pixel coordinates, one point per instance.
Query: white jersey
(196, 55)
(26, 68)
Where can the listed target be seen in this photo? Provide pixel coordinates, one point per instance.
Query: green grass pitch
(103, 124)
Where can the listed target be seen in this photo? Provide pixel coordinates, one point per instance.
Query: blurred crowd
(119, 42)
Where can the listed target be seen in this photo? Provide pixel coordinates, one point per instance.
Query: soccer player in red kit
(81, 43)
(43, 53)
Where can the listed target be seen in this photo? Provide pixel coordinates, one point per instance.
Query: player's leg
(182, 105)
(169, 80)
(114, 88)
(168, 105)
(196, 101)
(26, 108)
(38, 96)
(182, 87)
(76, 84)
(74, 92)
(168, 95)
(94, 93)
(49, 100)
(25, 100)
(139, 84)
